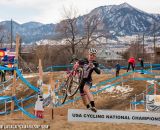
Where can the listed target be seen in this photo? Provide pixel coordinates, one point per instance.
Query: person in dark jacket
(118, 67)
(142, 64)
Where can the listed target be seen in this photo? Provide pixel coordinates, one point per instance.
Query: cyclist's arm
(96, 69)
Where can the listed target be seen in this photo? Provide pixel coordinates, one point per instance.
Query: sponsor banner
(153, 102)
(157, 76)
(113, 116)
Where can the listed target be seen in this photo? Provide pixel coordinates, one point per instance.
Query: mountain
(30, 32)
(124, 19)
(119, 20)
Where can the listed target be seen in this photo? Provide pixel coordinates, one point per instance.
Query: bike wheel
(63, 96)
(67, 85)
(74, 83)
(64, 99)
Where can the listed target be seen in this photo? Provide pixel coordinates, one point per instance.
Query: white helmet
(92, 51)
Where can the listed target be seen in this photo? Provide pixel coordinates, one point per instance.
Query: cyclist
(89, 65)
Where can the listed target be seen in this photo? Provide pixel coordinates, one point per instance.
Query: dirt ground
(114, 101)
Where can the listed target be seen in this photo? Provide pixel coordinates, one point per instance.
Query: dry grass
(116, 101)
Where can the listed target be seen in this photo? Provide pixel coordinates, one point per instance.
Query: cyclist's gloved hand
(95, 64)
(91, 65)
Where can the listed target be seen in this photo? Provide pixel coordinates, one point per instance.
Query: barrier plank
(113, 116)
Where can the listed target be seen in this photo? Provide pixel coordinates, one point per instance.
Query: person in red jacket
(131, 62)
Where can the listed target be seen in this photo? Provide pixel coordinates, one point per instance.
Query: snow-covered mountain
(30, 32)
(124, 19)
(119, 20)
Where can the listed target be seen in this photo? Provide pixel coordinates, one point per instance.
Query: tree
(69, 29)
(92, 27)
(136, 50)
(80, 32)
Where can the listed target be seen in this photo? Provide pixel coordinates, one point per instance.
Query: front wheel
(74, 82)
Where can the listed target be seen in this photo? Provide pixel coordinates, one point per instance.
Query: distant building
(108, 55)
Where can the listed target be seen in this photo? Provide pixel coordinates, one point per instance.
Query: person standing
(118, 67)
(131, 62)
(142, 64)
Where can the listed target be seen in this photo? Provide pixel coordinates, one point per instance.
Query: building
(109, 56)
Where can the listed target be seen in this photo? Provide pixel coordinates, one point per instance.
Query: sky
(52, 11)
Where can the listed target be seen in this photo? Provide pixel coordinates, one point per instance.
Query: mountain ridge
(120, 20)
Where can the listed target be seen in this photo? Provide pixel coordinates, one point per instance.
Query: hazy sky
(51, 11)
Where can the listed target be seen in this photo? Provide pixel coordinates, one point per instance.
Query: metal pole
(22, 106)
(143, 45)
(130, 105)
(155, 86)
(11, 34)
(122, 81)
(52, 113)
(151, 66)
(135, 103)
(5, 106)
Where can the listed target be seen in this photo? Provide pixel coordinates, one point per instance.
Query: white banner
(157, 76)
(153, 103)
(113, 116)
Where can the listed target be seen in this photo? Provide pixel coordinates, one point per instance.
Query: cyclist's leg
(90, 97)
(83, 94)
(89, 94)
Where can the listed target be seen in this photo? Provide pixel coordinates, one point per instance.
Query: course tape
(8, 98)
(58, 67)
(24, 111)
(26, 82)
(138, 102)
(77, 98)
(5, 68)
(6, 87)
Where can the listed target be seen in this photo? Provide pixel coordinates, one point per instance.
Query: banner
(113, 116)
(7, 56)
(153, 103)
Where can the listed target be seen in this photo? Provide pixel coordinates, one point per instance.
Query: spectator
(131, 62)
(142, 64)
(118, 67)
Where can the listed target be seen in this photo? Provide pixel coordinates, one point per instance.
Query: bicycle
(73, 81)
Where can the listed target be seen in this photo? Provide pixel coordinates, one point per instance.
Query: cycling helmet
(92, 51)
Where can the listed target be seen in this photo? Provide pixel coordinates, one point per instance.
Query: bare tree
(136, 50)
(80, 32)
(69, 29)
(92, 24)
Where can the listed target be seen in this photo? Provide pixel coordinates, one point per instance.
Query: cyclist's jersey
(87, 76)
